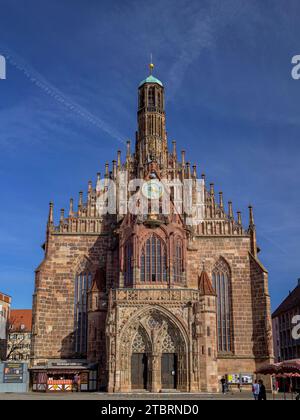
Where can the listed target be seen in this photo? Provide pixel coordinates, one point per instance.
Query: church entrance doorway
(139, 371)
(169, 371)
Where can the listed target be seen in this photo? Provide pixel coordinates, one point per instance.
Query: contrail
(38, 80)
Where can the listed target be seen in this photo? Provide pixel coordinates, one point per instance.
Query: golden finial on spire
(151, 65)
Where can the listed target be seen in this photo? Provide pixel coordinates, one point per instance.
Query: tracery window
(222, 285)
(128, 275)
(178, 261)
(83, 283)
(154, 260)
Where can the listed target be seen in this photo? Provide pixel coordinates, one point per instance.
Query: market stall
(285, 376)
(63, 379)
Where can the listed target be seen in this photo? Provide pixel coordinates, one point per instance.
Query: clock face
(153, 189)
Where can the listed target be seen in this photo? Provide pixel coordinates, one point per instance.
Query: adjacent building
(147, 299)
(19, 335)
(5, 302)
(285, 346)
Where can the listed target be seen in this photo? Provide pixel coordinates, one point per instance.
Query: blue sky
(69, 103)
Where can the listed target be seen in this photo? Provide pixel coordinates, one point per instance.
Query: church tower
(151, 138)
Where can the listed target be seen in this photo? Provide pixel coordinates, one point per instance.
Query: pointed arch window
(154, 260)
(83, 282)
(222, 285)
(142, 99)
(159, 100)
(151, 97)
(128, 275)
(178, 261)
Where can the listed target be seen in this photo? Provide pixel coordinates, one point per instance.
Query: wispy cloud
(49, 89)
(202, 29)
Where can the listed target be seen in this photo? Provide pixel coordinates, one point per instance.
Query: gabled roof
(5, 298)
(205, 285)
(291, 302)
(20, 318)
(99, 282)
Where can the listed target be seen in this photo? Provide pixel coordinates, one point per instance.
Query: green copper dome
(151, 79)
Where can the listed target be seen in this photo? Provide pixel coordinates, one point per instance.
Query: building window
(154, 260)
(151, 97)
(222, 286)
(159, 100)
(83, 282)
(142, 98)
(178, 262)
(128, 275)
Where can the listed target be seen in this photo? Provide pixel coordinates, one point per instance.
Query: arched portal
(153, 352)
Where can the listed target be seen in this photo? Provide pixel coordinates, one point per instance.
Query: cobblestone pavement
(133, 396)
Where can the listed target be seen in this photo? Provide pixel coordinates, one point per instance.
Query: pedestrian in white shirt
(255, 390)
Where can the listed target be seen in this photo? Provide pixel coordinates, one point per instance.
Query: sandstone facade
(151, 300)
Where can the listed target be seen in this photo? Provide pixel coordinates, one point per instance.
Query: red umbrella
(290, 366)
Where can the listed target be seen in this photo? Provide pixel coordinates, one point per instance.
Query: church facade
(149, 299)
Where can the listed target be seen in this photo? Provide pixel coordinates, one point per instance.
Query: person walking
(262, 396)
(77, 382)
(239, 385)
(255, 390)
(223, 383)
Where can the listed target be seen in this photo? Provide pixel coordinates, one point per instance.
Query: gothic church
(147, 301)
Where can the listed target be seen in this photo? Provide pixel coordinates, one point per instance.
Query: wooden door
(139, 371)
(169, 371)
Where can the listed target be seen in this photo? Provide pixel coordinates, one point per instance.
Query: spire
(188, 170)
(221, 203)
(62, 216)
(183, 158)
(119, 159)
(127, 152)
(195, 171)
(174, 149)
(239, 218)
(80, 199)
(252, 232)
(50, 216)
(204, 284)
(90, 186)
(230, 210)
(114, 170)
(71, 211)
(49, 227)
(251, 217)
(106, 170)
